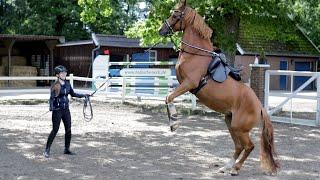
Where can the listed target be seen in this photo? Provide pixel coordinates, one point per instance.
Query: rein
(198, 48)
(184, 51)
(87, 117)
(211, 53)
(87, 103)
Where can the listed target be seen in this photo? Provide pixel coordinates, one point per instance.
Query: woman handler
(59, 105)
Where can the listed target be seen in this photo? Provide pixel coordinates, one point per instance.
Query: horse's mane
(198, 23)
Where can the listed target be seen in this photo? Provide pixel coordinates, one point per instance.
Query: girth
(202, 83)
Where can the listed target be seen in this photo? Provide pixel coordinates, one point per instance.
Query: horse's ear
(183, 2)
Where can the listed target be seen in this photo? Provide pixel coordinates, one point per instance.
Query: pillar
(257, 79)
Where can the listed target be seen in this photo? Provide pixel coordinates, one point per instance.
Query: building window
(153, 55)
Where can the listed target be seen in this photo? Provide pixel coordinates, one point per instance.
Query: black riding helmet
(59, 69)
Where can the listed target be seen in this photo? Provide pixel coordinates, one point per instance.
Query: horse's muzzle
(163, 31)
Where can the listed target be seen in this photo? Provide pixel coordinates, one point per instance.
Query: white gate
(309, 100)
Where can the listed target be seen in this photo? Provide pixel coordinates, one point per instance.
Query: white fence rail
(143, 63)
(314, 76)
(123, 88)
(12, 78)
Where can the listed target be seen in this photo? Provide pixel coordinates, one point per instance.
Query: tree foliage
(76, 19)
(47, 17)
(307, 15)
(109, 16)
(222, 16)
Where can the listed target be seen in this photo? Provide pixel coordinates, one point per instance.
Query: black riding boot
(67, 151)
(67, 143)
(51, 137)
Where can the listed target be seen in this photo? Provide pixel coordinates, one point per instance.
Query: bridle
(177, 18)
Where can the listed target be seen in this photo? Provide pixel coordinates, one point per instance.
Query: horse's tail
(268, 156)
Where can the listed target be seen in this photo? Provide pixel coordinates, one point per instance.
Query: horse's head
(175, 22)
(183, 17)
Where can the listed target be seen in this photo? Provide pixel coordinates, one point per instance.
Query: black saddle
(219, 69)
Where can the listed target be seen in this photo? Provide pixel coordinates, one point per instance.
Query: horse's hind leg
(248, 147)
(237, 144)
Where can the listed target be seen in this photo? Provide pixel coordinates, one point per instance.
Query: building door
(299, 80)
(283, 78)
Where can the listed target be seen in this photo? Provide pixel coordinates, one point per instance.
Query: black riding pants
(57, 115)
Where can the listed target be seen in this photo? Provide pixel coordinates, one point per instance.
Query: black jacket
(61, 100)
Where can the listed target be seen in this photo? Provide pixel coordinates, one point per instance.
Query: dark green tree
(109, 16)
(307, 15)
(47, 17)
(222, 16)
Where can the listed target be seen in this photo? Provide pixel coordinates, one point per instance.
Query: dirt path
(134, 142)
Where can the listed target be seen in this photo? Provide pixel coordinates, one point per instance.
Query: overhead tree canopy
(109, 16)
(46, 17)
(307, 15)
(223, 17)
(76, 19)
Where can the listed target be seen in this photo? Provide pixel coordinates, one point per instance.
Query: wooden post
(51, 45)
(9, 45)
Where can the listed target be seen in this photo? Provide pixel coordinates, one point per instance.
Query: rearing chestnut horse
(239, 104)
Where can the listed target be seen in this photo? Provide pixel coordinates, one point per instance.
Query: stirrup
(174, 123)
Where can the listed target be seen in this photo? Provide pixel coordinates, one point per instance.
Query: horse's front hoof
(174, 125)
(234, 172)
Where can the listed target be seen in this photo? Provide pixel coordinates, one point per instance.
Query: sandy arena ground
(133, 141)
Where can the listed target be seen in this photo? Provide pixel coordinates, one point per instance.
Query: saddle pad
(219, 70)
